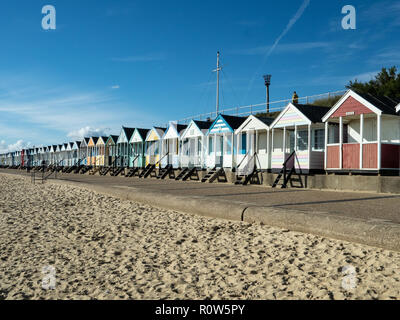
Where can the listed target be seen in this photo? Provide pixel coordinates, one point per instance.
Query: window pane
(319, 139)
(302, 140)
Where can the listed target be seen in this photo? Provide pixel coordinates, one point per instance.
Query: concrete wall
(381, 184)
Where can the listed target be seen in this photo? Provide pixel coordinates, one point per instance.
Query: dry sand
(105, 248)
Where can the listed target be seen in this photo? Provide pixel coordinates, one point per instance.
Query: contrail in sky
(292, 21)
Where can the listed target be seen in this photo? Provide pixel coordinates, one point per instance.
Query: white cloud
(19, 145)
(88, 132)
(115, 87)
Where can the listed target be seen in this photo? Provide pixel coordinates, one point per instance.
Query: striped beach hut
(76, 160)
(153, 145)
(101, 151)
(137, 142)
(123, 149)
(92, 151)
(221, 141)
(298, 136)
(83, 151)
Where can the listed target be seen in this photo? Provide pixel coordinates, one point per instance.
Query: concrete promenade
(368, 218)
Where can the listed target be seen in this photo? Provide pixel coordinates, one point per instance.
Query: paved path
(369, 206)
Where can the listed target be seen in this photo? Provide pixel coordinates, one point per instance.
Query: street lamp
(267, 82)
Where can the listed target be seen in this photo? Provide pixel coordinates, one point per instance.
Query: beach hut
(123, 149)
(221, 140)
(53, 159)
(47, 155)
(83, 151)
(362, 134)
(193, 143)
(37, 156)
(63, 155)
(137, 142)
(101, 151)
(170, 145)
(111, 150)
(297, 138)
(253, 144)
(92, 151)
(58, 155)
(76, 160)
(68, 152)
(153, 145)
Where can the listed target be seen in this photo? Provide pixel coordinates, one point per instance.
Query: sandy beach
(99, 247)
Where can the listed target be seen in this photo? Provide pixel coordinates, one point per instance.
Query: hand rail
(252, 157)
(115, 160)
(77, 163)
(237, 167)
(45, 177)
(134, 159)
(158, 162)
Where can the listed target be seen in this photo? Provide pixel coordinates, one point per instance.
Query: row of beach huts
(359, 134)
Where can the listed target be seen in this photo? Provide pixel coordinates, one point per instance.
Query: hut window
(210, 145)
(302, 140)
(319, 139)
(243, 144)
(333, 136)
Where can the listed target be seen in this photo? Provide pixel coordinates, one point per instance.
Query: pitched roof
(104, 139)
(128, 132)
(266, 120)
(203, 124)
(180, 127)
(113, 137)
(234, 122)
(143, 132)
(386, 104)
(95, 139)
(314, 113)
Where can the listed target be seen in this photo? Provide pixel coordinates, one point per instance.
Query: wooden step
(182, 174)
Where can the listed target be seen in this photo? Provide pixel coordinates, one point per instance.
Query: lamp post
(267, 82)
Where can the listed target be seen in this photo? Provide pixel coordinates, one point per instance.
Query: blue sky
(143, 63)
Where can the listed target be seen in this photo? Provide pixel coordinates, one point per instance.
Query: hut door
(250, 143)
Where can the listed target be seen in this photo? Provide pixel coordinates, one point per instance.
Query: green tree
(386, 83)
